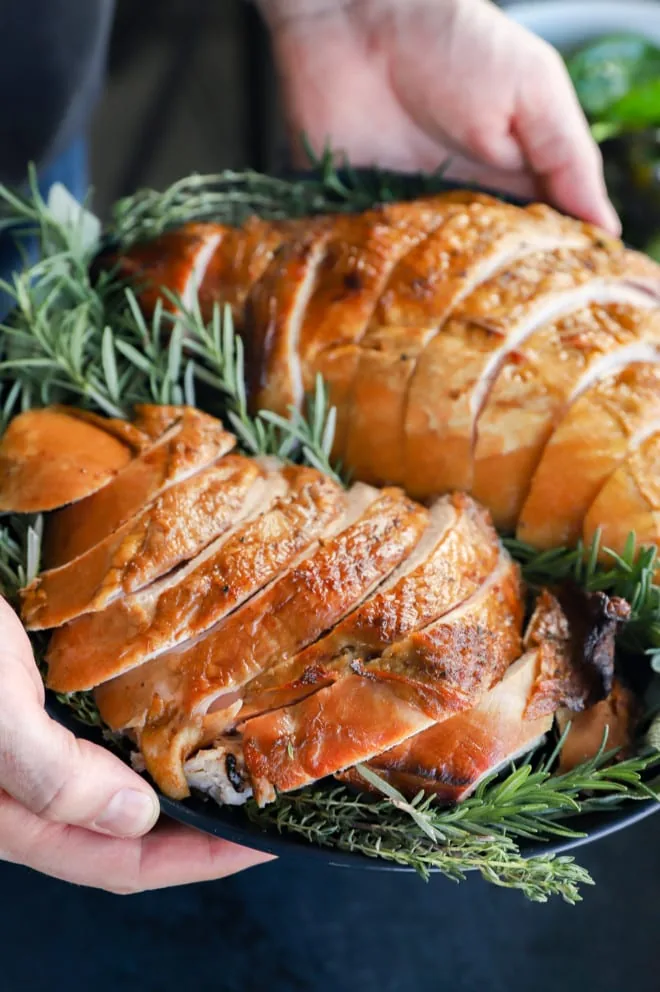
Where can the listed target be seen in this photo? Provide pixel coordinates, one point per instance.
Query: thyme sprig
(341, 820)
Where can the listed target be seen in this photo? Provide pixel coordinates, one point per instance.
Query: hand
(405, 84)
(75, 811)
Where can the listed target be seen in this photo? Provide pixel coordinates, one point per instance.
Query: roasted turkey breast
(256, 627)
(467, 344)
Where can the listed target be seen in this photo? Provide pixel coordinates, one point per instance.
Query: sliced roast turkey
(172, 529)
(56, 456)
(433, 675)
(191, 444)
(605, 424)
(377, 533)
(454, 557)
(280, 516)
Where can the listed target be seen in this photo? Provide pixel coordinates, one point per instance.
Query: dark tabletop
(287, 928)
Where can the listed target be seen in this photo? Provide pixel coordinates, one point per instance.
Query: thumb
(48, 770)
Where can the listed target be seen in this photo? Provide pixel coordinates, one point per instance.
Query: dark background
(292, 927)
(190, 88)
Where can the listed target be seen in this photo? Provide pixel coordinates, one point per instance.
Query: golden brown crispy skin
(457, 555)
(153, 419)
(449, 759)
(137, 628)
(51, 457)
(534, 388)
(239, 262)
(476, 237)
(100, 645)
(191, 444)
(418, 682)
(174, 528)
(294, 611)
(587, 447)
(463, 653)
(166, 261)
(274, 313)
(455, 372)
(628, 502)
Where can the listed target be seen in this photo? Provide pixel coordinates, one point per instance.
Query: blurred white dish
(567, 24)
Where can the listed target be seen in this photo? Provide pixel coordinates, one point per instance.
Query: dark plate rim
(231, 824)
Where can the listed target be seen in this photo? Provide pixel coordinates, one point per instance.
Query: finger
(556, 141)
(58, 777)
(16, 647)
(170, 855)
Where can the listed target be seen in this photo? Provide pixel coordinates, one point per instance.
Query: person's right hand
(75, 811)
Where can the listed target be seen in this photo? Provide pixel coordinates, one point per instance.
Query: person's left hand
(407, 84)
(73, 810)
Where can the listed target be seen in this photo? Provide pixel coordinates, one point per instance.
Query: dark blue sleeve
(52, 58)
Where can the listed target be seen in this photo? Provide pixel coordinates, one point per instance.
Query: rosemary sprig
(479, 834)
(69, 338)
(231, 197)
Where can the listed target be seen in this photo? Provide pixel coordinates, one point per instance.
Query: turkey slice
(629, 502)
(454, 557)
(171, 530)
(451, 758)
(42, 451)
(456, 371)
(286, 513)
(239, 262)
(191, 444)
(174, 260)
(601, 427)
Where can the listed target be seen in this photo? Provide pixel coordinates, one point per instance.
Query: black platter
(231, 823)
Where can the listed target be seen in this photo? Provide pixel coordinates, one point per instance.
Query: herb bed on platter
(76, 336)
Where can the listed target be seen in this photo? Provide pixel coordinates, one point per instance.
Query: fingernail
(613, 221)
(128, 814)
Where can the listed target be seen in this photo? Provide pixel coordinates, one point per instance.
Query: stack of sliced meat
(468, 344)
(255, 627)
